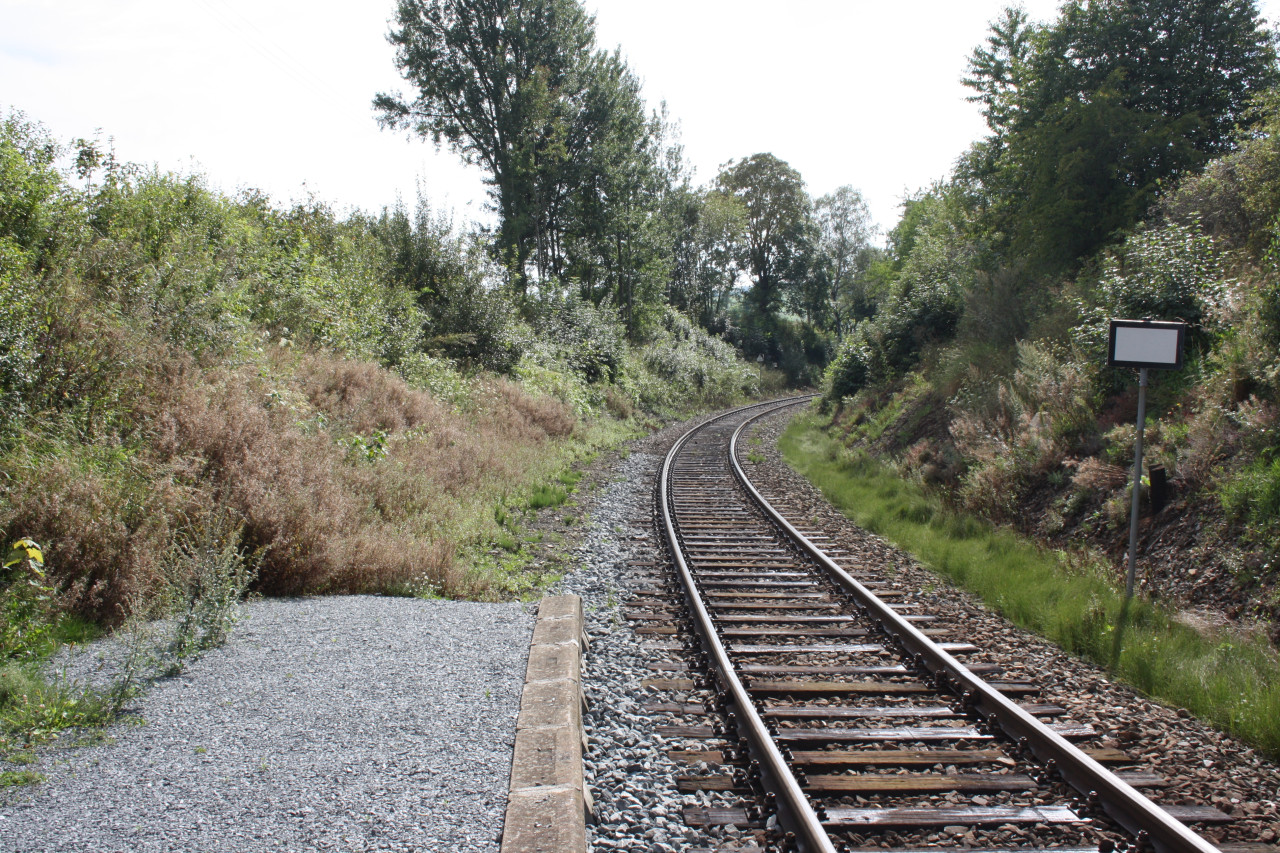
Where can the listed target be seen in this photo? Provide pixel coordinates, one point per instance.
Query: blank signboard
(1155, 345)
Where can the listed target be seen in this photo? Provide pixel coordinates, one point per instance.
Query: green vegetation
(1232, 682)
(204, 395)
(1107, 187)
(593, 194)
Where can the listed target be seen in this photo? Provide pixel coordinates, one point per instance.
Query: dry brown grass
(1094, 475)
(320, 517)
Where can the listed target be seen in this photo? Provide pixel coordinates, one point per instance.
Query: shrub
(1167, 272)
(591, 341)
(1252, 495)
(31, 189)
(25, 601)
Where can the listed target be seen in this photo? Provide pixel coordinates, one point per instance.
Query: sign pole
(1137, 485)
(1146, 345)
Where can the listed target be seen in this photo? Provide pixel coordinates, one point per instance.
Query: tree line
(593, 194)
(1094, 119)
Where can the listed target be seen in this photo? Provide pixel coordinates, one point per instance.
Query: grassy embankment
(1229, 681)
(203, 395)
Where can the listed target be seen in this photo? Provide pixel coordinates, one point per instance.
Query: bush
(25, 602)
(31, 189)
(1167, 272)
(1252, 495)
(683, 365)
(590, 341)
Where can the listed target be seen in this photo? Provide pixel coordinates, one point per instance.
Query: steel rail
(1101, 788)
(796, 814)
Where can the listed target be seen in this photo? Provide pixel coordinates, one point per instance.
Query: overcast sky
(275, 94)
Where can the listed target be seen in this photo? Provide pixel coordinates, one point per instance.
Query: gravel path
(627, 768)
(353, 723)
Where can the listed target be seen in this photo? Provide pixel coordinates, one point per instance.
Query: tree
(1091, 115)
(611, 232)
(500, 82)
(997, 71)
(844, 230)
(778, 209)
(707, 252)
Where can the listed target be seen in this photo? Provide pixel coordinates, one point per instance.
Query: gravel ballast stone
(347, 723)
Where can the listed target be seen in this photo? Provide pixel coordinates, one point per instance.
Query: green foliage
(839, 292)
(1169, 272)
(1236, 199)
(1092, 113)
(923, 308)
(32, 191)
(34, 711)
(1252, 495)
(440, 377)
(547, 495)
(682, 363)
(465, 318)
(590, 341)
(709, 229)
(777, 226)
(26, 600)
(21, 327)
(518, 88)
(32, 205)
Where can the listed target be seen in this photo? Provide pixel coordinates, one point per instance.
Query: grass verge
(1229, 681)
(504, 561)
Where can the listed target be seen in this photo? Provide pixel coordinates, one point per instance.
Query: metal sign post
(1146, 345)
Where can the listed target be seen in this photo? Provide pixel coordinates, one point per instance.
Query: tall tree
(710, 231)
(997, 71)
(1092, 114)
(500, 83)
(844, 239)
(778, 208)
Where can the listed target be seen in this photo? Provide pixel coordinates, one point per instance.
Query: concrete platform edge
(549, 804)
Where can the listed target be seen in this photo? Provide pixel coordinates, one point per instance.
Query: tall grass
(1231, 682)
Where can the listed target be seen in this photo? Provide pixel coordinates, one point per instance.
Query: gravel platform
(350, 723)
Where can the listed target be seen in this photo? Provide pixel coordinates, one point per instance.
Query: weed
(207, 576)
(545, 495)
(755, 458)
(14, 778)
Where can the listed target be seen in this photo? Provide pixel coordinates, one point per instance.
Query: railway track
(844, 715)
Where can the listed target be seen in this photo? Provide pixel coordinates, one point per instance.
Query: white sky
(275, 94)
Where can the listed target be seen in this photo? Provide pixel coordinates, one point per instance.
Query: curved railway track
(851, 718)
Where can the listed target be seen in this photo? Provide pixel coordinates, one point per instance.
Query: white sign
(1137, 343)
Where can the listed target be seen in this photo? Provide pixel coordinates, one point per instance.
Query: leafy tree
(30, 186)
(710, 229)
(1091, 115)
(844, 256)
(778, 209)
(613, 236)
(936, 267)
(1237, 198)
(997, 71)
(501, 82)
